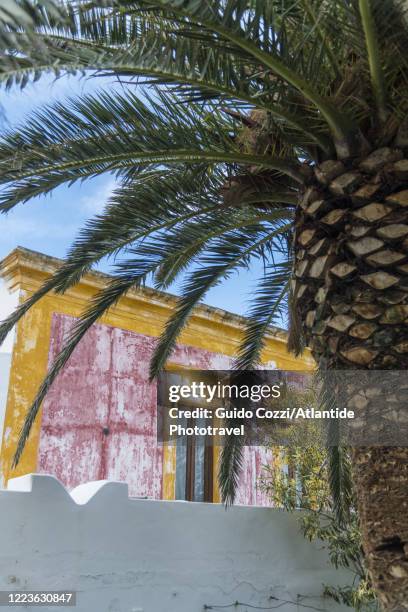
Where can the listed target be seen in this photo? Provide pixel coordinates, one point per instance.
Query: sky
(49, 224)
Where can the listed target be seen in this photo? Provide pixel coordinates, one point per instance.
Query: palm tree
(272, 129)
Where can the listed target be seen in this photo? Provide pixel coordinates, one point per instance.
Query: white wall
(5, 361)
(8, 302)
(134, 555)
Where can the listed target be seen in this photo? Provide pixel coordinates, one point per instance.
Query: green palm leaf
(267, 308)
(120, 134)
(134, 211)
(339, 467)
(232, 250)
(230, 467)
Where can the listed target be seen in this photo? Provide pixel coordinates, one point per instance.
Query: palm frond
(17, 14)
(225, 20)
(374, 58)
(134, 211)
(233, 249)
(120, 134)
(267, 306)
(128, 46)
(188, 239)
(340, 480)
(339, 467)
(145, 205)
(22, 52)
(230, 467)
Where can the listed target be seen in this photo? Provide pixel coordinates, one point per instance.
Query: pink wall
(105, 385)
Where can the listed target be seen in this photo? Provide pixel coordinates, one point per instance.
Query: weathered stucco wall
(99, 419)
(129, 555)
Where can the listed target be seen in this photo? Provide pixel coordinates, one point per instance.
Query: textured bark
(381, 477)
(350, 290)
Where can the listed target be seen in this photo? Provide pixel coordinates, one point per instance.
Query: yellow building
(99, 419)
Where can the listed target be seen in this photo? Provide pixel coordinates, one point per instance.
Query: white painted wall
(134, 555)
(5, 362)
(8, 302)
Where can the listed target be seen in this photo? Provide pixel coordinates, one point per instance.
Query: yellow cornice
(26, 270)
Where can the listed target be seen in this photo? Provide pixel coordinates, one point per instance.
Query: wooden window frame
(190, 469)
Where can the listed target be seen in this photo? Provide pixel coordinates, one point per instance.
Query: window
(194, 468)
(194, 456)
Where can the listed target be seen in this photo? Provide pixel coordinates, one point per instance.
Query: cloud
(22, 228)
(95, 202)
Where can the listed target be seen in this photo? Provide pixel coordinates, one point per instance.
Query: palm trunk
(351, 293)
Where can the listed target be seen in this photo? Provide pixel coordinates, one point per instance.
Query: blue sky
(49, 224)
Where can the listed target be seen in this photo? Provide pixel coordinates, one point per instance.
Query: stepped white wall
(131, 555)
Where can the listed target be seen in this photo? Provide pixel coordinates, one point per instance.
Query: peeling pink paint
(99, 419)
